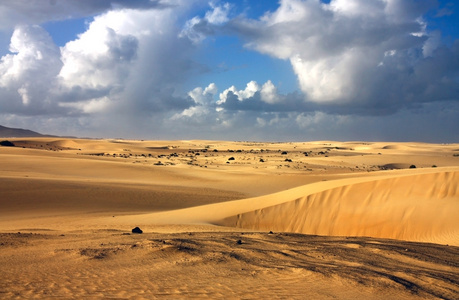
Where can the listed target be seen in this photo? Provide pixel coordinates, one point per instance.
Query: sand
(227, 219)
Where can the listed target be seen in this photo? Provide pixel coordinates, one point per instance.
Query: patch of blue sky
(228, 61)
(446, 20)
(4, 42)
(254, 9)
(66, 30)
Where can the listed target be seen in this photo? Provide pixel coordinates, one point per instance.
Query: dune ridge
(421, 207)
(412, 205)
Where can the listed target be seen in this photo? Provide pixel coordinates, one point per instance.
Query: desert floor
(312, 220)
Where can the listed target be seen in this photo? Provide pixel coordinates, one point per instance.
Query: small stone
(137, 230)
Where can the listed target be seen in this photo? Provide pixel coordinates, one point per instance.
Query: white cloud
(189, 30)
(218, 14)
(250, 90)
(211, 89)
(101, 56)
(204, 97)
(29, 71)
(32, 50)
(95, 105)
(197, 29)
(335, 49)
(358, 8)
(269, 93)
(128, 60)
(132, 57)
(22, 91)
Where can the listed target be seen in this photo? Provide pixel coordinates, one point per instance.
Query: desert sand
(220, 219)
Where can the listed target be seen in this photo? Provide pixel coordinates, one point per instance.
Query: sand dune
(420, 208)
(348, 219)
(396, 147)
(67, 143)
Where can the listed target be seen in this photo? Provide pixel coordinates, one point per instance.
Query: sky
(252, 70)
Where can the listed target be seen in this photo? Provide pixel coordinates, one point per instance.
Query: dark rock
(137, 230)
(6, 144)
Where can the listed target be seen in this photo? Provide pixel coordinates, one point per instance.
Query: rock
(137, 230)
(6, 144)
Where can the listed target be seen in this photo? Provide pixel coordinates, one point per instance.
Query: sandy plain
(312, 220)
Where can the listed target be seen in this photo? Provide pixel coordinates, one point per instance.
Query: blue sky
(239, 70)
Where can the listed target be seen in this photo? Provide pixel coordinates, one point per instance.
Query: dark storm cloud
(13, 12)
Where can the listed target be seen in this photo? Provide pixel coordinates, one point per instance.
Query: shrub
(412, 167)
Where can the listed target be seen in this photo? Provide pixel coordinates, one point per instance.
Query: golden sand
(224, 219)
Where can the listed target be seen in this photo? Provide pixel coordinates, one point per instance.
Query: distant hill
(18, 132)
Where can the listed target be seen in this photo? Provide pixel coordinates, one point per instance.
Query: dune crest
(421, 207)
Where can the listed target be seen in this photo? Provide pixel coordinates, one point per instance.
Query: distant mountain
(18, 132)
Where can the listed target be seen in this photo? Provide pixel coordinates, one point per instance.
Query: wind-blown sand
(228, 219)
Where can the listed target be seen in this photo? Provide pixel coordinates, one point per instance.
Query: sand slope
(421, 207)
(415, 205)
